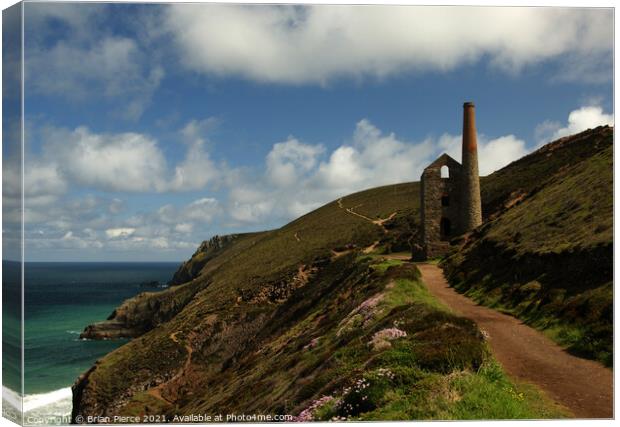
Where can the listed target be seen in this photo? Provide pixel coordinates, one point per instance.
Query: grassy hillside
(281, 319)
(506, 186)
(311, 320)
(257, 261)
(362, 339)
(545, 254)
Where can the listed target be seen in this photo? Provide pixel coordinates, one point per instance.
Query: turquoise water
(60, 300)
(11, 325)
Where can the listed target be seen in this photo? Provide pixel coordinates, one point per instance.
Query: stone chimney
(471, 216)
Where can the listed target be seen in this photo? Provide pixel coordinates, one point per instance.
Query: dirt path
(583, 386)
(379, 222)
(371, 248)
(401, 256)
(156, 391)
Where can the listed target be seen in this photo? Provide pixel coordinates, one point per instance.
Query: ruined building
(450, 197)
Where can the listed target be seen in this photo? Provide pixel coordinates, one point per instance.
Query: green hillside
(545, 254)
(313, 320)
(272, 258)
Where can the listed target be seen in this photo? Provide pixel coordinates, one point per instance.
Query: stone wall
(460, 210)
(435, 243)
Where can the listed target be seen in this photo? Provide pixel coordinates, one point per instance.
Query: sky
(149, 128)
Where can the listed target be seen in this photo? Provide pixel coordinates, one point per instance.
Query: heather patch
(316, 409)
(362, 315)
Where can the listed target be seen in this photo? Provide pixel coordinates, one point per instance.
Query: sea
(60, 300)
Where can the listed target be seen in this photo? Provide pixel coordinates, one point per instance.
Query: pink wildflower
(381, 339)
(308, 413)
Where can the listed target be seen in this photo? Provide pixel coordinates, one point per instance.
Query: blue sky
(151, 128)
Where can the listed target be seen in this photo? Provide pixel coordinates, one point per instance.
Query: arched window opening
(445, 199)
(445, 172)
(445, 228)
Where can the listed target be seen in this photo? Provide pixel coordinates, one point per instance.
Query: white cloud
(79, 19)
(87, 225)
(129, 162)
(43, 186)
(372, 159)
(289, 160)
(42, 183)
(119, 233)
(583, 118)
(201, 210)
(499, 152)
(195, 171)
(185, 227)
(41, 179)
(197, 129)
(493, 154)
(89, 61)
(116, 162)
(342, 169)
(249, 203)
(301, 44)
(297, 177)
(72, 241)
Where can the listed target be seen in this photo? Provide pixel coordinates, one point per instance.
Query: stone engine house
(450, 202)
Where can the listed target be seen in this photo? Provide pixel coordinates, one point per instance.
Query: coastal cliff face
(147, 310)
(207, 250)
(291, 321)
(141, 313)
(247, 298)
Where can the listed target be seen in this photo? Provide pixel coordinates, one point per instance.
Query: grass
(463, 395)
(574, 209)
(529, 173)
(398, 383)
(491, 394)
(561, 320)
(382, 266)
(406, 291)
(325, 344)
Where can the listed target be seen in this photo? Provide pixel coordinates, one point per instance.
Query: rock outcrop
(147, 310)
(207, 250)
(141, 313)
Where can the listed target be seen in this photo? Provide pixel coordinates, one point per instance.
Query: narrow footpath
(583, 386)
(156, 391)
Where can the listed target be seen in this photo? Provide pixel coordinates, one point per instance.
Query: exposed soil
(583, 386)
(371, 248)
(338, 254)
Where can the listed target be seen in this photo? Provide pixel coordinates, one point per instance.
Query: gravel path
(583, 386)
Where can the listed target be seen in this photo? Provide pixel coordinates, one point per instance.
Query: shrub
(449, 347)
(366, 394)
